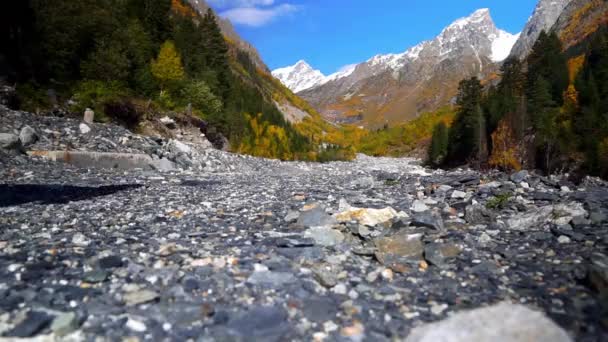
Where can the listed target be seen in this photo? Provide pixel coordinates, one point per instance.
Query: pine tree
(216, 54)
(547, 61)
(545, 113)
(167, 68)
(438, 149)
(468, 136)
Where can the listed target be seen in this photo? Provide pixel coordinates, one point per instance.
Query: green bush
(499, 201)
(32, 98)
(200, 96)
(95, 94)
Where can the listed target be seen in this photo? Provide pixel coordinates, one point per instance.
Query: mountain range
(395, 88)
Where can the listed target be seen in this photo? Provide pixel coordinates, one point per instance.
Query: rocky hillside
(580, 20)
(379, 249)
(398, 87)
(544, 17)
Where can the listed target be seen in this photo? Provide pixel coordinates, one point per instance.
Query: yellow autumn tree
(167, 67)
(505, 149)
(266, 140)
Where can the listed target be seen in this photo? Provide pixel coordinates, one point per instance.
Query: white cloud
(256, 16)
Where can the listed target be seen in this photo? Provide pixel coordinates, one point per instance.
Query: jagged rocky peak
(299, 76)
(476, 32)
(544, 17)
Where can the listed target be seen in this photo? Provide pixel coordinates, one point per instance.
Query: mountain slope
(579, 20)
(544, 17)
(230, 33)
(395, 88)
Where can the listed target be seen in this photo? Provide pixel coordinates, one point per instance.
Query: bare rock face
(502, 322)
(544, 17)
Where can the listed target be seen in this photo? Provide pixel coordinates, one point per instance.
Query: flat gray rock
(502, 322)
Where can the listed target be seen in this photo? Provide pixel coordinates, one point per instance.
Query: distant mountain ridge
(397, 87)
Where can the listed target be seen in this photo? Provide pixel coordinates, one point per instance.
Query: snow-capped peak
(299, 76)
(302, 76)
(478, 16)
(476, 33)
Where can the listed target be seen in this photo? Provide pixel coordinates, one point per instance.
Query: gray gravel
(237, 248)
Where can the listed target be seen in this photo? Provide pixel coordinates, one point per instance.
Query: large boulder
(503, 322)
(28, 136)
(10, 142)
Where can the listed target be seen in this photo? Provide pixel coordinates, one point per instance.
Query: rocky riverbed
(222, 247)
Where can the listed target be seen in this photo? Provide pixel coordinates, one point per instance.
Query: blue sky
(330, 34)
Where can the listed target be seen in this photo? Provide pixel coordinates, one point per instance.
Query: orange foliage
(570, 99)
(506, 151)
(179, 7)
(584, 22)
(574, 66)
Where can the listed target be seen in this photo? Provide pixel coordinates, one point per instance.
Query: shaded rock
(479, 214)
(439, 254)
(532, 219)
(96, 276)
(292, 216)
(325, 276)
(271, 279)
(544, 196)
(112, 261)
(564, 213)
(34, 323)
(598, 274)
(10, 142)
(418, 206)
(315, 217)
(264, 323)
(64, 324)
(167, 121)
(519, 176)
(427, 219)
(400, 250)
(598, 216)
(502, 322)
(457, 194)
(28, 136)
(139, 297)
(324, 236)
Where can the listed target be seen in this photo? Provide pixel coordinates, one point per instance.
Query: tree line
(100, 53)
(548, 112)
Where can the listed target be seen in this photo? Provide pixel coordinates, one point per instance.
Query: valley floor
(243, 249)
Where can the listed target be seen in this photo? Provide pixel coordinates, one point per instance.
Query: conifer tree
(439, 144)
(468, 134)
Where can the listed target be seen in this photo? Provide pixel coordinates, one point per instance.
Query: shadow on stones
(199, 183)
(16, 194)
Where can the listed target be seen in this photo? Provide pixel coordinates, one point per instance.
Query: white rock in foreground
(503, 322)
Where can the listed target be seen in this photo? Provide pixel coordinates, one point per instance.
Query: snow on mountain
(302, 76)
(299, 76)
(343, 72)
(502, 45)
(476, 33)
